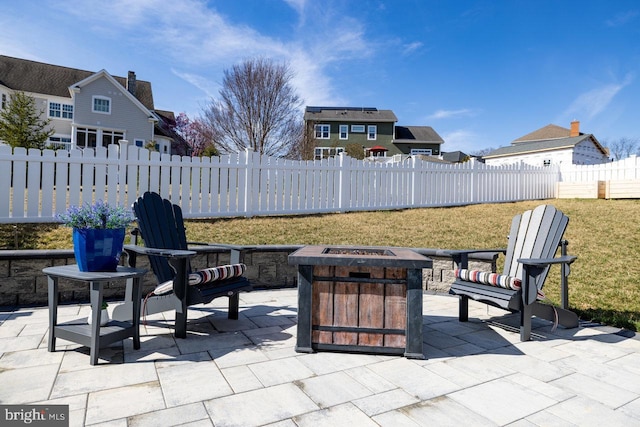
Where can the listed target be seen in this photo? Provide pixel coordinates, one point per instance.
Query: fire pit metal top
(359, 256)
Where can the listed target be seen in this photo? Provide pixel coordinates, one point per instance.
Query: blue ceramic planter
(98, 249)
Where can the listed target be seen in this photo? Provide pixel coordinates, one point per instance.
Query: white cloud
(198, 81)
(449, 114)
(411, 47)
(622, 18)
(201, 42)
(595, 101)
(460, 140)
(297, 5)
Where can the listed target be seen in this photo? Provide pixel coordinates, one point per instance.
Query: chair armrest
(540, 262)
(218, 245)
(167, 253)
(461, 256)
(458, 252)
(233, 249)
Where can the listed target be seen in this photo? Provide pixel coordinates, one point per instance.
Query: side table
(93, 335)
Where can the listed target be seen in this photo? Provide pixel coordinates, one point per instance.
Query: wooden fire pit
(360, 299)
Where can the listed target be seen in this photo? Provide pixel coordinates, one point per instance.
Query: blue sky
(481, 73)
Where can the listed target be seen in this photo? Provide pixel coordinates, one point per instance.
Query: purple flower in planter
(97, 215)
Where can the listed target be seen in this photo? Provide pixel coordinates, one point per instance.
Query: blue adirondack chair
(161, 227)
(533, 242)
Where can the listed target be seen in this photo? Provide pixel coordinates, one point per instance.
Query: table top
(359, 256)
(72, 272)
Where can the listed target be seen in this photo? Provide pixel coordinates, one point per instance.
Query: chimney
(131, 83)
(575, 128)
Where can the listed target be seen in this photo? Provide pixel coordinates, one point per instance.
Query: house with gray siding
(89, 109)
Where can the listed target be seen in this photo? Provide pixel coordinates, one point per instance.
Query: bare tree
(304, 149)
(257, 108)
(482, 152)
(621, 148)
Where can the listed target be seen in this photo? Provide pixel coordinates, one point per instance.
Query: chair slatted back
(162, 227)
(534, 234)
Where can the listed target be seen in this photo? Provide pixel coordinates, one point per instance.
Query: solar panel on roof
(319, 109)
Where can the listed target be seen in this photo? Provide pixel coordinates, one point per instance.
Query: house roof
(349, 114)
(166, 123)
(37, 77)
(539, 145)
(547, 138)
(545, 133)
(432, 159)
(455, 156)
(417, 134)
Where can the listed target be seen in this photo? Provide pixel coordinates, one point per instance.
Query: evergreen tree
(21, 124)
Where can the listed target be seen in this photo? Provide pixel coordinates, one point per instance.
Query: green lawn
(605, 235)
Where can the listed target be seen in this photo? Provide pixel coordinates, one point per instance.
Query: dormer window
(101, 104)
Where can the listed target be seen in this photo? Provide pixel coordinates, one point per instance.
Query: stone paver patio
(246, 372)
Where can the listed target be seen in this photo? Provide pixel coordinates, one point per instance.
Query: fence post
(248, 182)
(521, 181)
(345, 183)
(414, 180)
(474, 180)
(122, 173)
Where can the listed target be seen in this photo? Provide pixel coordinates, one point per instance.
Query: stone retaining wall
(22, 282)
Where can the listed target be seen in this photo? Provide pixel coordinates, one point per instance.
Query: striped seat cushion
(488, 278)
(208, 275)
(493, 279)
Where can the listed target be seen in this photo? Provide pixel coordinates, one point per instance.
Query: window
(139, 142)
(60, 110)
(111, 137)
(4, 101)
(101, 104)
(423, 151)
(326, 152)
(546, 162)
(344, 131)
(86, 138)
(67, 111)
(371, 131)
(322, 131)
(357, 128)
(55, 109)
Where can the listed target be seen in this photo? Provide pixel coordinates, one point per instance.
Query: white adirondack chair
(533, 242)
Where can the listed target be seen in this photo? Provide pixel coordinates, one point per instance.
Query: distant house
(551, 144)
(333, 128)
(90, 109)
(455, 157)
(414, 140)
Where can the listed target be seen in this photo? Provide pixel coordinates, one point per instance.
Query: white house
(551, 144)
(90, 109)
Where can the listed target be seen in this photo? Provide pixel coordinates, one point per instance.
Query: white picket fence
(625, 169)
(35, 185)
